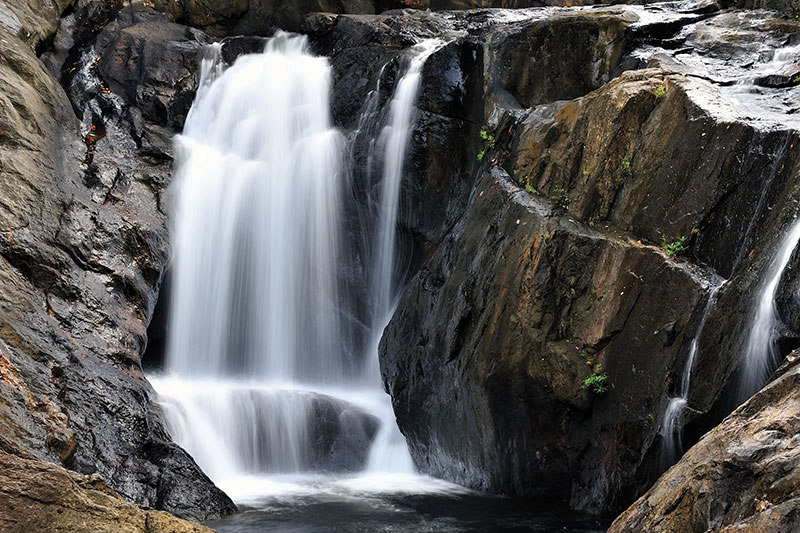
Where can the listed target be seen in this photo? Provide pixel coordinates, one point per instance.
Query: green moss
(560, 198)
(488, 143)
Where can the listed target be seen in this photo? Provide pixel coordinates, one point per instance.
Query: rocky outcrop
(494, 338)
(41, 496)
(259, 17)
(33, 21)
(744, 475)
(83, 244)
(499, 324)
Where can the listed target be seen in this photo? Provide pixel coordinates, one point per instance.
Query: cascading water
(672, 426)
(258, 380)
(394, 140)
(761, 353)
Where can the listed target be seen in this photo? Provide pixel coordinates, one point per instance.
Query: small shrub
(531, 189)
(488, 143)
(660, 91)
(596, 383)
(796, 80)
(674, 247)
(560, 198)
(625, 171)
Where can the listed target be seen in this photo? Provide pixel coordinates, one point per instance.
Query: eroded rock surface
(744, 475)
(643, 142)
(83, 244)
(42, 496)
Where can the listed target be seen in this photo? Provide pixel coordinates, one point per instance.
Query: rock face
(33, 21)
(744, 475)
(83, 244)
(514, 311)
(41, 496)
(557, 259)
(235, 17)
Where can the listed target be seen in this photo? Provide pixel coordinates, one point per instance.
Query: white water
(394, 139)
(672, 426)
(259, 385)
(761, 354)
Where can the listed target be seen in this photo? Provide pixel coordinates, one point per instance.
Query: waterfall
(258, 379)
(672, 426)
(395, 137)
(761, 352)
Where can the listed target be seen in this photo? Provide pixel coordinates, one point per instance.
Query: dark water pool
(402, 513)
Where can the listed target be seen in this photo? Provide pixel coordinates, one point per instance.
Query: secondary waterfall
(761, 352)
(672, 426)
(259, 377)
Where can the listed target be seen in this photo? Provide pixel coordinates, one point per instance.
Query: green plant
(488, 143)
(625, 170)
(660, 91)
(596, 382)
(531, 189)
(674, 247)
(560, 198)
(796, 79)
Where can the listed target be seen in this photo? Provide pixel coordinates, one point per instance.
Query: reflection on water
(362, 503)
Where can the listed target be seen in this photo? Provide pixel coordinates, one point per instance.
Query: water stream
(761, 352)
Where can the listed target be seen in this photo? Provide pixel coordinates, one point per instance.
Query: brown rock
(39, 496)
(33, 21)
(742, 476)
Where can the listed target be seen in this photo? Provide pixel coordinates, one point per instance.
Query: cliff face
(560, 271)
(607, 133)
(83, 244)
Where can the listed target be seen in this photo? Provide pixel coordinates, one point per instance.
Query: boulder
(41, 496)
(744, 475)
(493, 340)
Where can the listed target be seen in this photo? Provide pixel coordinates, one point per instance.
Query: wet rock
(152, 64)
(494, 337)
(343, 435)
(255, 17)
(744, 475)
(654, 155)
(41, 496)
(83, 242)
(647, 155)
(519, 55)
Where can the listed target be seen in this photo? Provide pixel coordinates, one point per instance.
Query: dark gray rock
(83, 243)
(152, 64)
(493, 338)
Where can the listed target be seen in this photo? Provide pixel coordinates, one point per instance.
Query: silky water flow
(259, 386)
